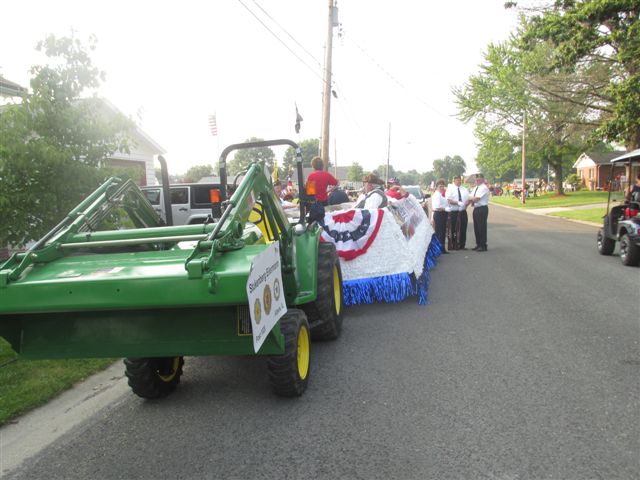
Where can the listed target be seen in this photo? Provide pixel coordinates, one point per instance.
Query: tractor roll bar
(262, 143)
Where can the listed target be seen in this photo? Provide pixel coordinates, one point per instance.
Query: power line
(290, 36)
(394, 79)
(281, 41)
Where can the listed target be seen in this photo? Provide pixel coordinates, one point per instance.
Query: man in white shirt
(440, 207)
(458, 198)
(479, 198)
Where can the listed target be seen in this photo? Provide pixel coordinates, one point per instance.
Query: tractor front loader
(155, 294)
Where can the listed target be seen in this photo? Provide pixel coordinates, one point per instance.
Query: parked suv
(191, 203)
(622, 221)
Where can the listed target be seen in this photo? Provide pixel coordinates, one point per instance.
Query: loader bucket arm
(85, 217)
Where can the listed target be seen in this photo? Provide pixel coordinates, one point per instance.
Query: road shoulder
(32, 432)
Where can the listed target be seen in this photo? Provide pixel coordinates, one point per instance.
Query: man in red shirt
(321, 180)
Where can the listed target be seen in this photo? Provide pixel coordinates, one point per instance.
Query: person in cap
(373, 196)
(479, 198)
(458, 198)
(440, 209)
(395, 190)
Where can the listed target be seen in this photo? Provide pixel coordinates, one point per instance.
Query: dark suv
(622, 221)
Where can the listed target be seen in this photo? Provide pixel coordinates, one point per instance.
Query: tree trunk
(634, 140)
(557, 169)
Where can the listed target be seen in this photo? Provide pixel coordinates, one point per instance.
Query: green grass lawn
(588, 215)
(547, 200)
(25, 384)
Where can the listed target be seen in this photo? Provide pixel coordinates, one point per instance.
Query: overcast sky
(171, 64)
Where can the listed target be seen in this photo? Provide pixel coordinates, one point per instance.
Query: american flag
(213, 125)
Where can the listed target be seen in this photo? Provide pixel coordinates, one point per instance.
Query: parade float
(385, 254)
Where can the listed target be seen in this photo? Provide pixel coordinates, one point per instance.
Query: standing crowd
(449, 216)
(449, 203)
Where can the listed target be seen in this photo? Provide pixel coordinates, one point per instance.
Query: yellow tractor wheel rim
(303, 352)
(337, 290)
(174, 371)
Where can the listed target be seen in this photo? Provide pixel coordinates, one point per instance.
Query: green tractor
(156, 293)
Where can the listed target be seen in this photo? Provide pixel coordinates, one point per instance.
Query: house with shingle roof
(594, 168)
(10, 89)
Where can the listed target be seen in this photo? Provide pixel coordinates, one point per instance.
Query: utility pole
(335, 157)
(524, 157)
(326, 96)
(386, 179)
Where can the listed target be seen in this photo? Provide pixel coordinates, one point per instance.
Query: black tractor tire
(629, 251)
(606, 245)
(289, 372)
(325, 313)
(153, 377)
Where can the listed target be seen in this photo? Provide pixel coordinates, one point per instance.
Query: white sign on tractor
(265, 293)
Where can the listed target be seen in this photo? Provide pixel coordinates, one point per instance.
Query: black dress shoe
(475, 248)
(444, 251)
(482, 249)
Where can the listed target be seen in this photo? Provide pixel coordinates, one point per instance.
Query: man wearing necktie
(458, 198)
(479, 198)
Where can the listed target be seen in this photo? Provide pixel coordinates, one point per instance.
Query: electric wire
(290, 36)
(282, 41)
(394, 79)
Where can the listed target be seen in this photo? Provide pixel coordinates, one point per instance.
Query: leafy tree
(412, 177)
(355, 172)
(512, 84)
(244, 157)
(448, 167)
(428, 177)
(310, 148)
(54, 140)
(195, 173)
(381, 171)
(496, 155)
(592, 35)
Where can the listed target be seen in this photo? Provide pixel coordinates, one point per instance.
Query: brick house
(594, 168)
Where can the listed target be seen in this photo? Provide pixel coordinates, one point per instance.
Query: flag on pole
(213, 125)
(298, 119)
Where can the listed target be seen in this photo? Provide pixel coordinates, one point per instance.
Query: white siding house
(143, 152)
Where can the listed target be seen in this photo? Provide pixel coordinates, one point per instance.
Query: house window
(590, 174)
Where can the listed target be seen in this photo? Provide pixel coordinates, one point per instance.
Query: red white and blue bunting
(352, 231)
(385, 254)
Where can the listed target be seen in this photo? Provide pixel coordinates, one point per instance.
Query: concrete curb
(34, 431)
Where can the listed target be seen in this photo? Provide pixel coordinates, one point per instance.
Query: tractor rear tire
(325, 313)
(289, 372)
(153, 377)
(606, 245)
(629, 251)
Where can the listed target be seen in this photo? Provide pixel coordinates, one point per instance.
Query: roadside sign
(265, 293)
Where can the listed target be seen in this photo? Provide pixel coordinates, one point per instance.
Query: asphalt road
(525, 365)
